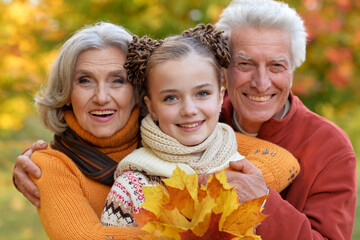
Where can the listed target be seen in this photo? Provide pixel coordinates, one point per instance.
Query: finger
(244, 166)
(203, 178)
(25, 184)
(33, 199)
(39, 145)
(25, 165)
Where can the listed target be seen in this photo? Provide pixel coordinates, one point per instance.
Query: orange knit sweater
(71, 203)
(278, 165)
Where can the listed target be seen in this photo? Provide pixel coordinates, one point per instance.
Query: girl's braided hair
(145, 53)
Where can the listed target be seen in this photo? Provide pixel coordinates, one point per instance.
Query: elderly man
(267, 42)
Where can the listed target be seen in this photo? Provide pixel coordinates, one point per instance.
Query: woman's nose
(101, 95)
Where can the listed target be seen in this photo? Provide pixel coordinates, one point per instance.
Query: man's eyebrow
(281, 59)
(243, 57)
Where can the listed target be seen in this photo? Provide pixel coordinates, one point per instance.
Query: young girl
(181, 82)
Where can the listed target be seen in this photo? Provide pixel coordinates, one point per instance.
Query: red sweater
(320, 203)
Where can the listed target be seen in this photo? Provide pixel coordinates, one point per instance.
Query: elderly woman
(91, 108)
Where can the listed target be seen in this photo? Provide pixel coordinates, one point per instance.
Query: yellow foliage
(212, 210)
(12, 113)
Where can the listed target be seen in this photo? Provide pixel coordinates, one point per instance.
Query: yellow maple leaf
(181, 209)
(179, 179)
(245, 218)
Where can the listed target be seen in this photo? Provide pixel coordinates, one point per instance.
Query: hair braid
(140, 51)
(213, 39)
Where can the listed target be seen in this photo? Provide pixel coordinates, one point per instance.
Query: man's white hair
(266, 14)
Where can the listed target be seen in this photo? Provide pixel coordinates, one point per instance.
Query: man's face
(260, 75)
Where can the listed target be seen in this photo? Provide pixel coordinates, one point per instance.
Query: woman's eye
(119, 80)
(83, 80)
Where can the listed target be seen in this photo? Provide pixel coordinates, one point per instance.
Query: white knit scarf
(215, 151)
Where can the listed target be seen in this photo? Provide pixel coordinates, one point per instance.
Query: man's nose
(261, 80)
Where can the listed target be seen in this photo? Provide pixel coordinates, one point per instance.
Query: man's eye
(277, 67)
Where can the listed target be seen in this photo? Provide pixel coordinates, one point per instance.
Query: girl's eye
(170, 99)
(203, 93)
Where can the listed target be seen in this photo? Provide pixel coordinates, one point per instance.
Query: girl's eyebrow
(168, 91)
(174, 90)
(204, 85)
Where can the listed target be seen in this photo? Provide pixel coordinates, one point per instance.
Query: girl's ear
(68, 103)
(149, 107)
(221, 96)
(223, 77)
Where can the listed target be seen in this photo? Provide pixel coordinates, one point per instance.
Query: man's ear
(150, 108)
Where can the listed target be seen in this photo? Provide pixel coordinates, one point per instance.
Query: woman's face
(101, 98)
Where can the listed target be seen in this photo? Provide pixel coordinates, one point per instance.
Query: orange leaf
(212, 232)
(245, 218)
(180, 180)
(143, 217)
(185, 206)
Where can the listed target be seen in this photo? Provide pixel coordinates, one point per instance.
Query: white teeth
(190, 125)
(106, 112)
(259, 99)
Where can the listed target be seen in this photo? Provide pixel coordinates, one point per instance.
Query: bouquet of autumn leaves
(182, 210)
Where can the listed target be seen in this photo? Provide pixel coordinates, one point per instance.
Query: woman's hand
(25, 166)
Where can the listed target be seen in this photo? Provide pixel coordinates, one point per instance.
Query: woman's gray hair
(51, 99)
(266, 14)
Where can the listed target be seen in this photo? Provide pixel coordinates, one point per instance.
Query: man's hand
(25, 166)
(248, 180)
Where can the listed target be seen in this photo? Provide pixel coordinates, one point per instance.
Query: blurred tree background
(32, 30)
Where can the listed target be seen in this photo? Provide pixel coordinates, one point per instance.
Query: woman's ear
(150, 108)
(68, 103)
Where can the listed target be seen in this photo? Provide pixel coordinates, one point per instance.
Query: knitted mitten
(125, 197)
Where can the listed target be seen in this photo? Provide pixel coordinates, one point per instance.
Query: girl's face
(101, 98)
(185, 98)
